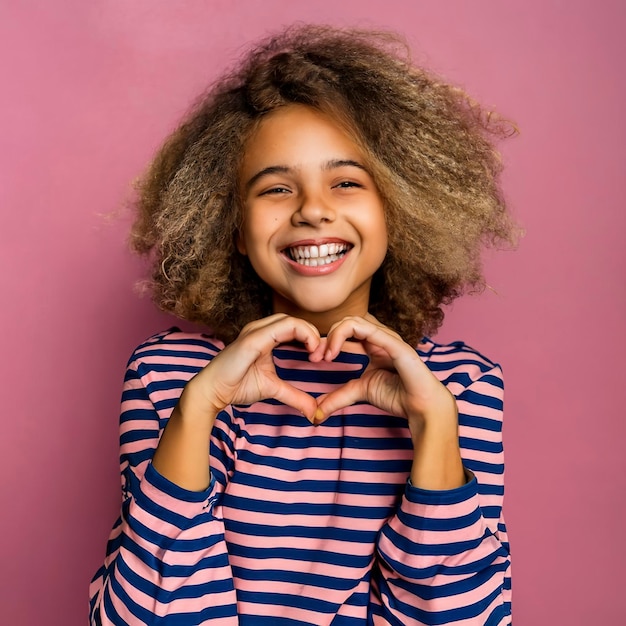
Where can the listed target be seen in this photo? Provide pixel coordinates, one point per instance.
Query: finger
(261, 323)
(299, 400)
(387, 350)
(318, 354)
(366, 331)
(380, 355)
(263, 337)
(265, 322)
(229, 368)
(344, 396)
(294, 328)
(283, 320)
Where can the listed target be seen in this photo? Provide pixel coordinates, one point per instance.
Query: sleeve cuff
(160, 495)
(416, 495)
(180, 493)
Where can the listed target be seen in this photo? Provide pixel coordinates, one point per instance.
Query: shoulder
(174, 347)
(457, 361)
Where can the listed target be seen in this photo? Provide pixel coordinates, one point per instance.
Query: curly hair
(430, 150)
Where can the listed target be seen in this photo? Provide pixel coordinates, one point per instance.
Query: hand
(244, 371)
(397, 381)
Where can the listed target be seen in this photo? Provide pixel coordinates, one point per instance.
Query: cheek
(379, 230)
(250, 234)
(255, 241)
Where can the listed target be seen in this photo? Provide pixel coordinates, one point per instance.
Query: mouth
(318, 255)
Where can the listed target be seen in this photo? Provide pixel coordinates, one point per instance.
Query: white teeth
(314, 256)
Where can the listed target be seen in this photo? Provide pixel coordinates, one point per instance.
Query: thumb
(353, 391)
(299, 400)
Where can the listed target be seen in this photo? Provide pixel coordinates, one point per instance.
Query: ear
(240, 243)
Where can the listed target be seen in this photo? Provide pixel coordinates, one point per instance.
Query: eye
(347, 184)
(274, 190)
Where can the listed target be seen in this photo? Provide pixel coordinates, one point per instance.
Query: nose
(314, 210)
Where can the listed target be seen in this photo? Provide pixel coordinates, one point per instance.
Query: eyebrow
(283, 169)
(334, 163)
(267, 171)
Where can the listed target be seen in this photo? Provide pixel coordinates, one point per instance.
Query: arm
(444, 558)
(167, 557)
(166, 554)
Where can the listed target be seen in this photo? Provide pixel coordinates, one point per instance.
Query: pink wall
(88, 91)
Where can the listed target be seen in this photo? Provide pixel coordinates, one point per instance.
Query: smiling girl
(315, 459)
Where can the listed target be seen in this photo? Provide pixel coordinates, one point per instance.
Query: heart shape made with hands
(395, 380)
(376, 383)
(344, 395)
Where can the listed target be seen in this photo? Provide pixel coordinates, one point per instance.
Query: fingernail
(318, 417)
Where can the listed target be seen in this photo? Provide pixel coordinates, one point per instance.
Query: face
(314, 225)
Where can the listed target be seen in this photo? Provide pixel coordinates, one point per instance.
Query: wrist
(182, 455)
(438, 429)
(195, 407)
(437, 462)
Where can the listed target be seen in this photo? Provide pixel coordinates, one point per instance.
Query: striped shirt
(305, 525)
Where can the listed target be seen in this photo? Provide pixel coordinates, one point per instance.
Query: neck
(322, 320)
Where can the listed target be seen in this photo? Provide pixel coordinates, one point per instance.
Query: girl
(314, 460)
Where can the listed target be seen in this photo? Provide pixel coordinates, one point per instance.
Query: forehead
(297, 135)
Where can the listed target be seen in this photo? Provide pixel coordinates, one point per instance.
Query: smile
(316, 256)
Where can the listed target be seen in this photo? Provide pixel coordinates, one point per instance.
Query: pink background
(89, 89)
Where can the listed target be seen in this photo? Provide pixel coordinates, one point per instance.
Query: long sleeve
(444, 557)
(304, 524)
(166, 558)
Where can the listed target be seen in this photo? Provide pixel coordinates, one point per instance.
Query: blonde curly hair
(428, 145)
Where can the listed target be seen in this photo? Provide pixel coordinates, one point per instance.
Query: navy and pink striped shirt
(305, 525)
